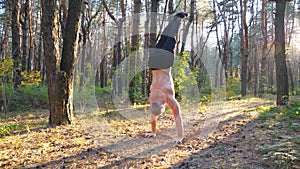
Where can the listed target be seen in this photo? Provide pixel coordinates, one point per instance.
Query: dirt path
(225, 135)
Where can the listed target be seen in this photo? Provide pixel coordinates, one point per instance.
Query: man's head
(157, 107)
(157, 102)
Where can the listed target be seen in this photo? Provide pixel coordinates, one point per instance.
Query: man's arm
(153, 127)
(174, 105)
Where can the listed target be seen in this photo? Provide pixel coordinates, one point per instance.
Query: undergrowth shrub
(104, 96)
(28, 96)
(233, 87)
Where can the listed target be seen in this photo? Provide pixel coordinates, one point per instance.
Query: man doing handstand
(162, 90)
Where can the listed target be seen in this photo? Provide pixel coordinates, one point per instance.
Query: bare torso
(162, 80)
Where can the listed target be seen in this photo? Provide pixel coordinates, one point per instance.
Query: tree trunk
(171, 7)
(103, 63)
(16, 41)
(245, 47)
(290, 32)
(24, 23)
(280, 57)
(255, 69)
(84, 37)
(32, 39)
(40, 59)
(146, 75)
(271, 60)
(153, 23)
(60, 74)
(219, 70)
(4, 47)
(187, 26)
(117, 49)
(134, 47)
(263, 69)
(135, 25)
(69, 56)
(50, 30)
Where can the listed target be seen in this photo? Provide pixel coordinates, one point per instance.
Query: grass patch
(27, 97)
(23, 122)
(282, 126)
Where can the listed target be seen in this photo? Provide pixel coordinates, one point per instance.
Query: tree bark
(134, 47)
(50, 30)
(60, 75)
(290, 32)
(4, 47)
(32, 39)
(187, 26)
(153, 23)
(280, 56)
(135, 25)
(69, 56)
(245, 47)
(103, 64)
(24, 23)
(117, 49)
(263, 69)
(16, 41)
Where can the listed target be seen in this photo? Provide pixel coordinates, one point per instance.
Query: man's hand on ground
(177, 140)
(149, 135)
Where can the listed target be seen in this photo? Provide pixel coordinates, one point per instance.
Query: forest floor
(247, 133)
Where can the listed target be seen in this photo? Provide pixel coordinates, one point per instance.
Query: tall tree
(50, 32)
(16, 41)
(136, 22)
(244, 47)
(25, 26)
(69, 56)
(104, 59)
(134, 47)
(4, 47)
(117, 49)
(289, 31)
(187, 26)
(153, 23)
(60, 72)
(280, 56)
(264, 58)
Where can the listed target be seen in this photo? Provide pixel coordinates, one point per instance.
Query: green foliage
(297, 90)
(233, 87)
(281, 114)
(185, 80)
(28, 96)
(6, 67)
(180, 77)
(103, 96)
(203, 82)
(270, 90)
(32, 78)
(135, 90)
(84, 89)
(4, 130)
(284, 122)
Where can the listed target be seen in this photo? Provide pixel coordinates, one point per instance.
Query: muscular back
(162, 80)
